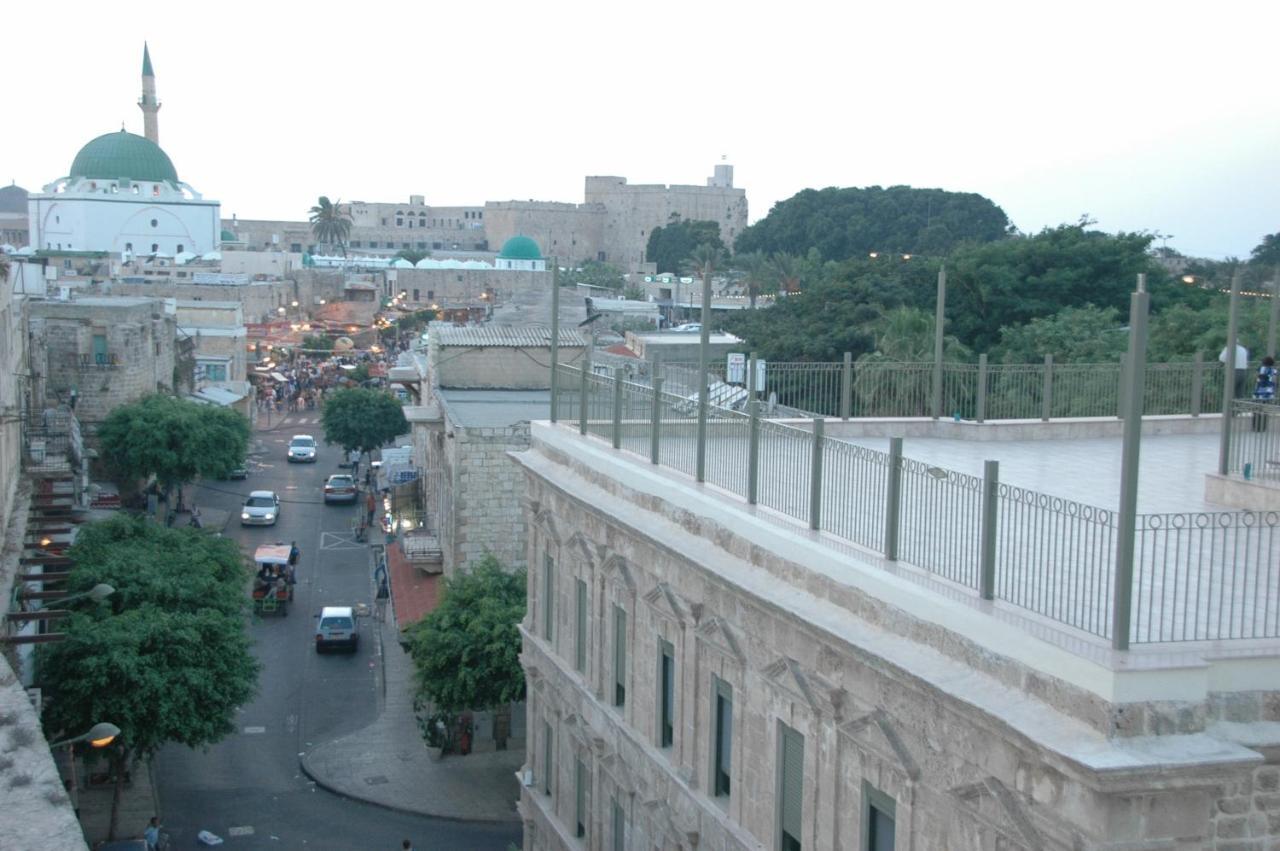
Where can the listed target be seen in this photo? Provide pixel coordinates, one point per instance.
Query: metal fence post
(1127, 516)
(1046, 392)
(1197, 384)
(753, 451)
(704, 381)
(655, 427)
(555, 337)
(982, 388)
(617, 407)
(1229, 373)
(939, 314)
(846, 387)
(990, 510)
(815, 475)
(582, 397)
(893, 499)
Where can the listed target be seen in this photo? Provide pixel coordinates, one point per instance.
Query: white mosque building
(123, 196)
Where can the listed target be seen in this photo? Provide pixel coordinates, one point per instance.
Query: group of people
(1264, 380)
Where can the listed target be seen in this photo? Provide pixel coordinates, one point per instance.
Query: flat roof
(495, 408)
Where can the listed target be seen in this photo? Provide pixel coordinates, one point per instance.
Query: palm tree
(755, 273)
(786, 272)
(330, 223)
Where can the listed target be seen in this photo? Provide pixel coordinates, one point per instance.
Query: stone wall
(486, 490)
(13, 360)
(971, 749)
(571, 233)
(446, 287)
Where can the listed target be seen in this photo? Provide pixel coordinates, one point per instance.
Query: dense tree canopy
(167, 657)
(594, 274)
(671, 246)
(852, 222)
(173, 439)
(362, 418)
(1267, 252)
(467, 651)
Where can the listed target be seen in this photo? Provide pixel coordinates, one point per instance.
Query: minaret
(148, 103)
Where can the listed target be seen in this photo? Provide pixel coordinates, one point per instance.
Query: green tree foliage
(757, 276)
(852, 222)
(173, 439)
(330, 224)
(467, 651)
(412, 255)
(671, 246)
(1267, 252)
(594, 274)
(362, 418)
(1072, 335)
(166, 658)
(314, 343)
(891, 378)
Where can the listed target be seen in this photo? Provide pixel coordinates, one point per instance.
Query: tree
(330, 223)
(1267, 252)
(412, 255)
(704, 261)
(317, 343)
(467, 651)
(167, 658)
(852, 222)
(362, 419)
(757, 275)
(1072, 335)
(903, 336)
(173, 439)
(670, 246)
(596, 274)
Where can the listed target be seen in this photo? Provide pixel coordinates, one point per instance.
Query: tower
(148, 103)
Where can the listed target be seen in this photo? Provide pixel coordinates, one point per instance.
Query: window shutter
(619, 827)
(548, 595)
(619, 656)
(580, 804)
(792, 781)
(580, 652)
(546, 758)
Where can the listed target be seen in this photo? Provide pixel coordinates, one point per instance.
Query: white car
(688, 328)
(262, 508)
(302, 448)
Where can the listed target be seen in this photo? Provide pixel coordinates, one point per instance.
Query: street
(249, 788)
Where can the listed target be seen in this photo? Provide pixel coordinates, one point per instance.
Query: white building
(122, 195)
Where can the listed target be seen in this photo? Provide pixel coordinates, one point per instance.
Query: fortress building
(122, 195)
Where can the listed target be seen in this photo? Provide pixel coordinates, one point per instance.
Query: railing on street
(971, 391)
(1254, 452)
(1196, 576)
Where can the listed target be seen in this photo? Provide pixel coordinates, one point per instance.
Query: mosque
(123, 196)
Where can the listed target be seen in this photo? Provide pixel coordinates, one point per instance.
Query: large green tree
(596, 274)
(467, 651)
(167, 658)
(362, 419)
(330, 224)
(1072, 335)
(852, 222)
(671, 245)
(1267, 252)
(173, 439)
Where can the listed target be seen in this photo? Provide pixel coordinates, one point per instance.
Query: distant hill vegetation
(852, 222)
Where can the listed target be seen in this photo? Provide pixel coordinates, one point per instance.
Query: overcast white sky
(1146, 116)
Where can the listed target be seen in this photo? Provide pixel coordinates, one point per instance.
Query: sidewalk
(387, 764)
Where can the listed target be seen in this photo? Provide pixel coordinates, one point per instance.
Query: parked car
(337, 627)
(689, 328)
(302, 448)
(262, 508)
(340, 487)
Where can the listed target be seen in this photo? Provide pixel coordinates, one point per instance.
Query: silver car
(337, 628)
(302, 447)
(260, 509)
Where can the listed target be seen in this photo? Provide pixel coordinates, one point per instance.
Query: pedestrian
(294, 553)
(152, 834)
(406, 845)
(1241, 367)
(1264, 390)
(371, 505)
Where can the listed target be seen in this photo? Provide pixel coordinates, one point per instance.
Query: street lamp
(99, 736)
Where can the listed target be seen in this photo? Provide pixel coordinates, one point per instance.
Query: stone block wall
(486, 496)
(972, 753)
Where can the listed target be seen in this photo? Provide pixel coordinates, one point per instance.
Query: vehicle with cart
(274, 580)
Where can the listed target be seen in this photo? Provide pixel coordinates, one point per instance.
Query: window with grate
(790, 787)
(619, 656)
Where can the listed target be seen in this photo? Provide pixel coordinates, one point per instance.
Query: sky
(1157, 117)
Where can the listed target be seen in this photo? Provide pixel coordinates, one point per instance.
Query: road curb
(315, 778)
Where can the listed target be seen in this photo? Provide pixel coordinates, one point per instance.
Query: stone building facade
(109, 350)
(703, 676)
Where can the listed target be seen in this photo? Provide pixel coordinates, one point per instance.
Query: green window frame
(619, 827)
(619, 657)
(580, 782)
(548, 754)
(721, 737)
(666, 694)
(879, 817)
(548, 595)
(790, 788)
(580, 646)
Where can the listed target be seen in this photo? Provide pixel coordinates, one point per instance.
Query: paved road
(248, 788)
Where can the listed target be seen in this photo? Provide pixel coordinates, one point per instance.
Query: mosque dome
(13, 199)
(227, 236)
(123, 155)
(520, 248)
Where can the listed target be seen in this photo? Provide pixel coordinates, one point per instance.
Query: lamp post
(99, 736)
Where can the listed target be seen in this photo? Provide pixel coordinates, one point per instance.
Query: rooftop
(495, 408)
(516, 336)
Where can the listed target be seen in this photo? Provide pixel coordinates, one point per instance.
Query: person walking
(1241, 365)
(152, 834)
(1264, 388)
(370, 505)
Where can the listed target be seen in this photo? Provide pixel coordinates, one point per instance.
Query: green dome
(227, 236)
(122, 154)
(520, 248)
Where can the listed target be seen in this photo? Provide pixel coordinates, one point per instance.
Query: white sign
(736, 371)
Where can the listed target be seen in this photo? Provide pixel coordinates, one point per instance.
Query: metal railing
(1254, 451)
(972, 391)
(1196, 576)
